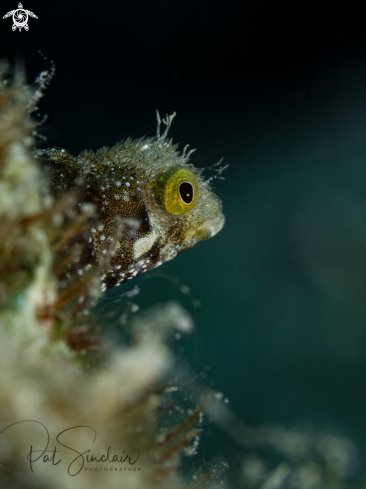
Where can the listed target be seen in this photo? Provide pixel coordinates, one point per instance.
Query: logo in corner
(20, 17)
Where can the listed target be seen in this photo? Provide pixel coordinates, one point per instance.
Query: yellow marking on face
(176, 190)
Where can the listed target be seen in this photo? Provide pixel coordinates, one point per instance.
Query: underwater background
(278, 90)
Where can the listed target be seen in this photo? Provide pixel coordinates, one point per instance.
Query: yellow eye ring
(176, 190)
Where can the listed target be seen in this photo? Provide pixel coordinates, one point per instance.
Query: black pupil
(186, 192)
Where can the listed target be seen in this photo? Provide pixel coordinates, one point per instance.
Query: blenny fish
(151, 204)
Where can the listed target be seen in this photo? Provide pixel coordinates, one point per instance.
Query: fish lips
(209, 228)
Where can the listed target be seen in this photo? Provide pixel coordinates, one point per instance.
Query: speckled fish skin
(121, 182)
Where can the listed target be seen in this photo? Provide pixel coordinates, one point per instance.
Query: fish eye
(176, 190)
(186, 192)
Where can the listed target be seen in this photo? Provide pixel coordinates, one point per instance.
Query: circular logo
(20, 18)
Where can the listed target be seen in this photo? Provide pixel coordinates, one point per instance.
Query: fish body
(151, 203)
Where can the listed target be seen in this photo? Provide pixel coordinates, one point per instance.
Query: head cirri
(151, 203)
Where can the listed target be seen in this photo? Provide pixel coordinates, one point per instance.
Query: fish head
(182, 208)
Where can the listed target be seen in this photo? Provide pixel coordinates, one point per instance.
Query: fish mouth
(213, 218)
(210, 228)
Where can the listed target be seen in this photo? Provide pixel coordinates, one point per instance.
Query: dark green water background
(282, 324)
